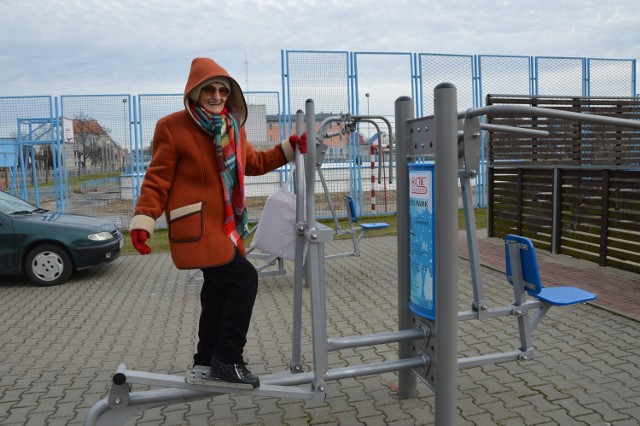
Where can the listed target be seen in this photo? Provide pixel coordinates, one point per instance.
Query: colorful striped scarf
(224, 128)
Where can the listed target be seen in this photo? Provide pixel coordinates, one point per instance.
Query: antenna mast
(246, 71)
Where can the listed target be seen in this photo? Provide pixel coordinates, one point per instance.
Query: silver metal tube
(383, 118)
(489, 359)
(446, 201)
(556, 204)
(299, 164)
(376, 368)
(310, 167)
(338, 343)
(120, 376)
(366, 120)
(523, 110)
(314, 266)
(472, 244)
(295, 364)
(403, 112)
(346, 372)
(511, 129)
(102, 414)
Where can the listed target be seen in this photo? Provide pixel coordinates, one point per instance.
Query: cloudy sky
(71, 47)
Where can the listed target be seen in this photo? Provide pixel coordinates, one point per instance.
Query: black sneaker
(234, 373)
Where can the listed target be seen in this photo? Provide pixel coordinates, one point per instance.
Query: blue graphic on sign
(421, 240)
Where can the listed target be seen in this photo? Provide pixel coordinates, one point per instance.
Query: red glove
(138, 238)
(300, 141)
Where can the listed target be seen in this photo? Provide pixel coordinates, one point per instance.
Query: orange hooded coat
(184, 182)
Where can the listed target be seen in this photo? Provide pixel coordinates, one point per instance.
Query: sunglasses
(211, 90)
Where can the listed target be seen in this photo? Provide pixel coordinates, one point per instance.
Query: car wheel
(48, 264)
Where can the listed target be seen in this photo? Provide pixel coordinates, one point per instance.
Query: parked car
(48, 247)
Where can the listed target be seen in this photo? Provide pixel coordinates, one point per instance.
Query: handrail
(493, 110)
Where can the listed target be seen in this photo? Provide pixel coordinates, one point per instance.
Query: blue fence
(57, 141)
(340, 81)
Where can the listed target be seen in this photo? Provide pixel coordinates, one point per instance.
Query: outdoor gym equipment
(427, 346)
(270, 265)
(348, 124)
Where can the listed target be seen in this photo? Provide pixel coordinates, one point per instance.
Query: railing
(96, 183)
(575, 191)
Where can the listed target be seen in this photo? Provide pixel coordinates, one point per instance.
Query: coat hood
(204, 69)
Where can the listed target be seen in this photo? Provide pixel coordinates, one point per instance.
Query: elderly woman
(196, 176)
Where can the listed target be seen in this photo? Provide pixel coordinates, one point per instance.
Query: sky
(76, 47)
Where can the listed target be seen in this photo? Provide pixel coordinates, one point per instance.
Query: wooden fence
(576, 191)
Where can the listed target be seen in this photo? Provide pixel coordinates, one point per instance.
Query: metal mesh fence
(151, 109)
(381, 79)
(96, 132)
(456, 69)
(264, 125)
(321, 76)
(499, 74)
(265, 129)
(324, 77)
(610, 77)
(14, 108)
(559, 76)
(504, 74)
(104, 141)
(26, 122)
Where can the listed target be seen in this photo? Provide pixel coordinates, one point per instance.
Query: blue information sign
(422, 239)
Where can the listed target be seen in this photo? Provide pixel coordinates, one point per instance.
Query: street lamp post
(368, 128)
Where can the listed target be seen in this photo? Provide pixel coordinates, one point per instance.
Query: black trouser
(227, 297)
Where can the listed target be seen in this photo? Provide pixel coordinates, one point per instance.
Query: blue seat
(353, 217)
(356, 230)
(522, 272)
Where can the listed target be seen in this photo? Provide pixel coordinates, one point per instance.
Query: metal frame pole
(295, 364)
(446, 194)
(314, 265)
(403, 112)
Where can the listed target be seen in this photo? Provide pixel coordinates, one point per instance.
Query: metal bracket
(518, 311)
(320, 234)
(471, 146)
(119, 395)
(526, 355)
(425, 349)
(422, 137)
(296, 368)
(321, 152)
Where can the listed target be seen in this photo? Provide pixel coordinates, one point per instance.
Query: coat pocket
(186, 223)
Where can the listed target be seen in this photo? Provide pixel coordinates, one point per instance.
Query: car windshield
(14, 205)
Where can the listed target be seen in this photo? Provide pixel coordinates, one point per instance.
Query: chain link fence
(88, 154)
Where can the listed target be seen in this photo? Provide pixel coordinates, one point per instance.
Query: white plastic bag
(276, 233)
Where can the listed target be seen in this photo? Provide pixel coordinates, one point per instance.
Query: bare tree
(90, 140)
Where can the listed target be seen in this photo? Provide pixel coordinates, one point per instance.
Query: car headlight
(101, 236)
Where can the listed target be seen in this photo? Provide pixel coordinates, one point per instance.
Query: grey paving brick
(38, 419)
(608, 413)
(61, 345)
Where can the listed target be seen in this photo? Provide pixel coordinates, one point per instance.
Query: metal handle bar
(508, 110)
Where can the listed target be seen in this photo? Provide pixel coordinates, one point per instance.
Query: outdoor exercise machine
(453, 139)
(348, 125)
(121, 404)
(427, 325)
(269, 265)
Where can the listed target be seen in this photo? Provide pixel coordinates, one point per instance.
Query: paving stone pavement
(59, 347)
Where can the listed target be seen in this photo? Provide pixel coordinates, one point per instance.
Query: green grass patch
(160, 243)
(75, 181)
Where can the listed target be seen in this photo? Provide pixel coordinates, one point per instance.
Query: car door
(7, 244)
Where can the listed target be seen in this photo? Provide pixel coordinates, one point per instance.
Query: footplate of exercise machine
(194, 380)
(201, 375)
